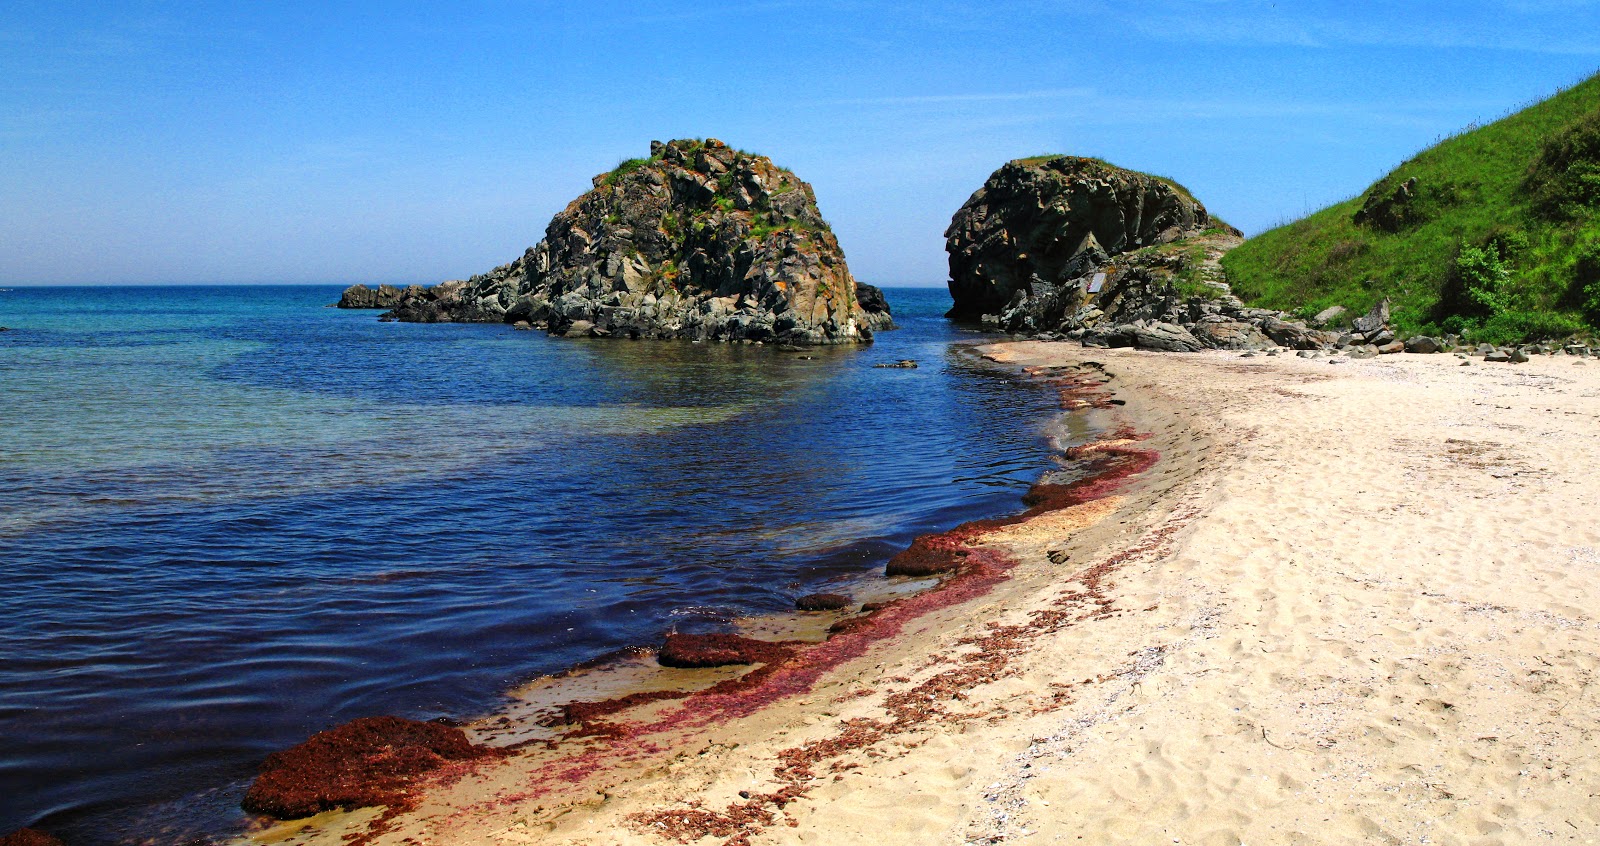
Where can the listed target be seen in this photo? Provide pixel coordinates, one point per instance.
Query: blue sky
(415, 142)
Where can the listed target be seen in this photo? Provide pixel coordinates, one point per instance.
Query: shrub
(1565, 177)
(1486, 277)
(1586, 279)
(1511, 327)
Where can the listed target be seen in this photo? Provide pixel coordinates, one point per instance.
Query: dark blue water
(230, 517)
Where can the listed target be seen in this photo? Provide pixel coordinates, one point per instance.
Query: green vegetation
(1493, 233)
(623, 168)
(1093, 163)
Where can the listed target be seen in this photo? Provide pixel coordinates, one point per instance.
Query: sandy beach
(1350, 603)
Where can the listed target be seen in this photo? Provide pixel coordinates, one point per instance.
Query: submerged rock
(698, 241)
(822, 602)
(365, 762)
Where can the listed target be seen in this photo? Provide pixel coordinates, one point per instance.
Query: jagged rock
(1381, 337)
(1049, 221)
(1517, 356)
(1497, 356)
(699, 241)
(1373, 320)
(1423, 344)
(874, 303)
(1066, 247)
(360, 296)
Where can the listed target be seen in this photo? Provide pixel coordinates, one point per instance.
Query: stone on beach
(822, 602)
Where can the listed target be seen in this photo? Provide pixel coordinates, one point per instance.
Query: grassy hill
(1494, 233)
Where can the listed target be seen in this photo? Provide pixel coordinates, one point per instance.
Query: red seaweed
(30, 837)
(693, 651)
(365, 762)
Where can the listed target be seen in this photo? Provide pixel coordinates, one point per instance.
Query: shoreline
(1350, 604)
(579, 737)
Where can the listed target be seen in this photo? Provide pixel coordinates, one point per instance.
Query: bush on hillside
(1565, 177)
(1586, 281)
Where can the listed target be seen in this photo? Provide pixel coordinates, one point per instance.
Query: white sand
(1352, 604)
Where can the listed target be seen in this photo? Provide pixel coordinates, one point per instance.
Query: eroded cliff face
(1072, 247)
(698, 241)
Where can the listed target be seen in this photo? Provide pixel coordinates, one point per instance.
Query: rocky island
(1065, 246)
(699, 241)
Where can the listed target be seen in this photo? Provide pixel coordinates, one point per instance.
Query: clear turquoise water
(232, 517)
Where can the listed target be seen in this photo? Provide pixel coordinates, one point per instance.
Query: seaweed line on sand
(796, 668)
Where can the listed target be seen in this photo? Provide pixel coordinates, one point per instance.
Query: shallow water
(232, 517)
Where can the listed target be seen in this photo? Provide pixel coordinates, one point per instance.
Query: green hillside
(1498, 237)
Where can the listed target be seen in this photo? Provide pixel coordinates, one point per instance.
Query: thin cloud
(992, 97)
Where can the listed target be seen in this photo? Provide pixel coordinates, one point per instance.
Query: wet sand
(1350, 603)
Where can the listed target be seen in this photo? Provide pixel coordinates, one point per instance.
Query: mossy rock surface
(698, 241)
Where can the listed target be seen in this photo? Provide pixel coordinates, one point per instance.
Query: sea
(234, 516)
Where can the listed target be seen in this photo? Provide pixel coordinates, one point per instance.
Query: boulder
(699, 241)
(1391, 348)
(1497, 356)
(1423, 344)
(1374, 320)
(1231, 335)
(1158, 336)
(1517, 356)
(822, 602)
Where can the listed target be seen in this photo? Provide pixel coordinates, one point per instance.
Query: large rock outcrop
(360, 296)
(698, 241)
(1073, 247)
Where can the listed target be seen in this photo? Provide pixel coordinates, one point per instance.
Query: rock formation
(360, 296)
(1073, 247)
(698, 241)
